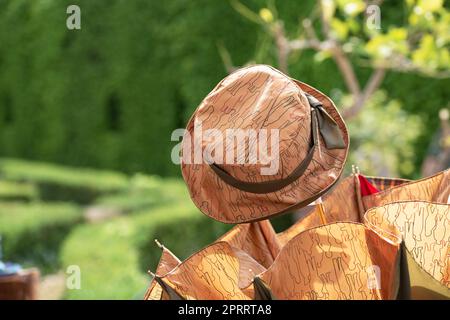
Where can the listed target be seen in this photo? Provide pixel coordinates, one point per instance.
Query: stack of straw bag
(357, 237)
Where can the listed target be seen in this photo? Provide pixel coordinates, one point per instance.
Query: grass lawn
(113, 254)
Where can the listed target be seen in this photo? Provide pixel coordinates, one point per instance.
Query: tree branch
(283, 47)
(329, 44)
(434, 163)
(226, 58)
(359, 100)
(346, 69)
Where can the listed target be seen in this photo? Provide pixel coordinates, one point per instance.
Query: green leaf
(351, 8)
(340, 28)
(425, 54)
(320, 56)
(377, 46)
(445, 58)
(397, 34)
(266, 15)
(430, 5)
(353, 25)
(328, 9)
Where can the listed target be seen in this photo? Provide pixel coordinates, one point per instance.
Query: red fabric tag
(366, 187)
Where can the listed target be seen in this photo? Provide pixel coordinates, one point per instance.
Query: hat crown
(261, 144)
(259, 118)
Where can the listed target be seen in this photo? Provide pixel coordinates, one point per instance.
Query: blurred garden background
(86, 116)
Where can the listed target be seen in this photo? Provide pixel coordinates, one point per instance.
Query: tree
(351, 32)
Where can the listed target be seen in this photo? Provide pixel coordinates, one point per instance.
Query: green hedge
(109, 257)
(196, 231)
(110, 94)
(115, 256)
(60, 183)
(17, 191)
(144, 192)
(182, 234)
(111, 254)
(32, 233)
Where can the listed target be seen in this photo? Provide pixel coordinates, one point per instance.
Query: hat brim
(228, 204)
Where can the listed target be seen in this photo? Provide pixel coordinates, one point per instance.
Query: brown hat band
(332, 138)
(273, 185)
